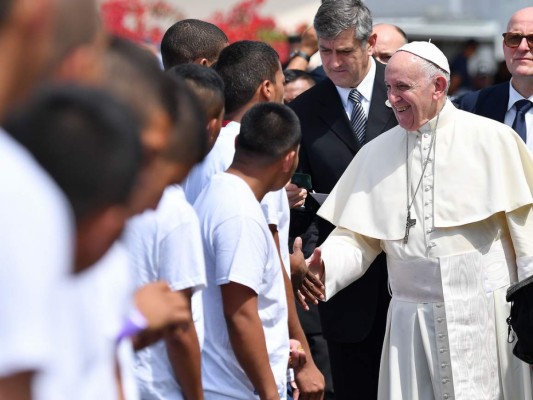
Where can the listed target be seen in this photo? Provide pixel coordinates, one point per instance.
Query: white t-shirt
(219, 159)
(239, 247)
(165, 244)
(36, 255)
(275, 206)
(95, 306)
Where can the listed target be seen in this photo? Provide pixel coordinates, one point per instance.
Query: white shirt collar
(365, 87)
(514, 96)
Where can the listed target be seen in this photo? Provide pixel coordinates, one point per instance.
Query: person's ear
(267, 90)
(441, 84)
(371, 43)
(202, 61)
(213, 129)
(288, 161)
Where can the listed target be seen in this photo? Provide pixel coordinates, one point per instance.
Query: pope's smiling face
(412, 94)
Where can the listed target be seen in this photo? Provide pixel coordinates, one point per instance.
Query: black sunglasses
(513, 40)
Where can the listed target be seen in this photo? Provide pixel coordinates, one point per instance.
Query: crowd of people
(212, 225)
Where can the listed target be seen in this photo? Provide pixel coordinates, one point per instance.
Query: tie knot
(523, 106)
(355, 96)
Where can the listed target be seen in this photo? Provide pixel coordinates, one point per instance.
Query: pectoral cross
(408, 225)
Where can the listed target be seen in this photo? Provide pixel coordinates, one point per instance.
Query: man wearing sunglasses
(511, 102)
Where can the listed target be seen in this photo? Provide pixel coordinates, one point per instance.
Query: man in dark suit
(510, 102)
(335, 125)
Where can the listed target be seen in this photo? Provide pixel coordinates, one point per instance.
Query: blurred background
(452, 25)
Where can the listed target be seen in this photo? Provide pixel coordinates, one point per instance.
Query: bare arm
(308, 378)
(247, 337)
(183, 352)
(16, 387)
(160, 307)
(309, 46)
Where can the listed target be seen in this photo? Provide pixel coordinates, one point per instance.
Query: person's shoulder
(23, 181)
(225, 195)
(472, 100)
(174, 209)
(315, 94)
(384, 139)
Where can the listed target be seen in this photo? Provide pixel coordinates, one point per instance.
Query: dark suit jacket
(328, 146)
(490, 102)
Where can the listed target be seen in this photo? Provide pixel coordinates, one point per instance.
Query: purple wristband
(133, 324)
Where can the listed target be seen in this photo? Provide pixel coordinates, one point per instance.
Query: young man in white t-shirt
(246, 342)
(66, 129)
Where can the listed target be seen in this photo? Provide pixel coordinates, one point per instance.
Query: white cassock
(446, 332)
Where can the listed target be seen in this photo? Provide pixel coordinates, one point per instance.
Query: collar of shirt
(510, 115)
(514, 96)
(365, 88)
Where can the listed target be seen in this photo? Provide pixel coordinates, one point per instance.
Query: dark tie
(519, 123)
(358, 118)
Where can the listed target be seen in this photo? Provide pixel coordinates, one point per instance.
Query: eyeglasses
(513, 40)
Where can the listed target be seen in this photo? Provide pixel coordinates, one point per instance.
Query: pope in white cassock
(447, 195)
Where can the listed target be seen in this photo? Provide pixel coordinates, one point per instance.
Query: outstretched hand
(311, 289)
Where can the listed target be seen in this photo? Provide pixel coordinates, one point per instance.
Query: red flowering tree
(138, 20)
(244, 22)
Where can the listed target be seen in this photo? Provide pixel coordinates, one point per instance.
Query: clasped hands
(307, 276)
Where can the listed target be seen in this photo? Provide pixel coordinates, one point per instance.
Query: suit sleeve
(346, 255)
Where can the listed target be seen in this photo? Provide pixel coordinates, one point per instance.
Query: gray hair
(430, 70)
(336, 16)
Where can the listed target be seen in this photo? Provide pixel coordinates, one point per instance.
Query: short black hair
(190, 39)
(87, 141)
(205, 83)
(268, 130)
(188, 143)
(5, 10)
(292, 75)
(134, 74)
(243, 66)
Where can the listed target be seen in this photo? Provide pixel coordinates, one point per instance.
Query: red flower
(243, 22)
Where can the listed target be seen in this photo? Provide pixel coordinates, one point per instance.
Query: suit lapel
(495, 104)
(332, 112)
(379, 114)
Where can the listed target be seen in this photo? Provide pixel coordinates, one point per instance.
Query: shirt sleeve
(520, 223)
(346, 256)
(270, 208)
(241, 249)
(181, 258)
(35, 259)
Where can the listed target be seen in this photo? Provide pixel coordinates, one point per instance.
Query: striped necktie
(358, 118)
(519, 124)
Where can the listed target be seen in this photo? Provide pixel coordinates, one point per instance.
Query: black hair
(189, 142)
(134, 74)
(292, 75)
(243, 66)
(205, 83)
(268, 130)
(5, 10)
(87, 141)
(190, 39)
